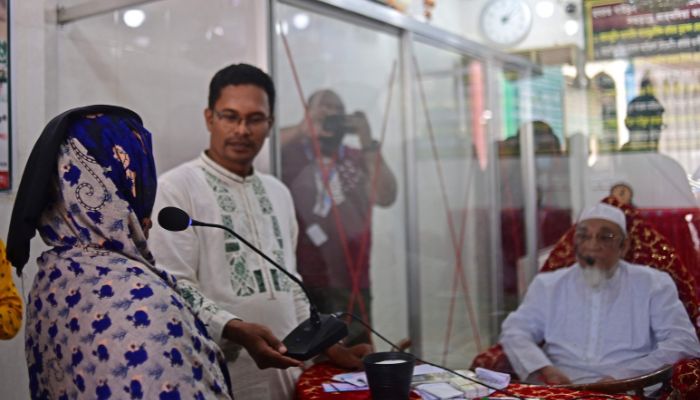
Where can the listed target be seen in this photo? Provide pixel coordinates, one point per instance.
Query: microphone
(308, 339)
(588, 260)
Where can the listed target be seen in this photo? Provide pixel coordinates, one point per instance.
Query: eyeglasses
(605, 239)
(255, 122)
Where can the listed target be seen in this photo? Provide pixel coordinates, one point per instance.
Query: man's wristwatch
(374, 145)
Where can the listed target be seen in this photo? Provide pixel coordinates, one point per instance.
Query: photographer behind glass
(334, 242)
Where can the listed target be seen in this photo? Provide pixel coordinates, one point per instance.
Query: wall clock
(506, 22)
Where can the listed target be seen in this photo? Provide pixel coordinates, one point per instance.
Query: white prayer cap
(605, 212)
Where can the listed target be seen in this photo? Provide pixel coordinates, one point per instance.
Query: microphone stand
(314, 335)
(317, 333)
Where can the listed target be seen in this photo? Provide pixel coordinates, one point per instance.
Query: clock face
(506, 22)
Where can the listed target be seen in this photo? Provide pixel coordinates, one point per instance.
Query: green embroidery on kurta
(259, 190)
(280, 281)
(228, 222)
(216, 185)
(195, 299)
(278, 232)
(275, 279)
(226, 203)
(243, 282)
(283, 281)
(189, 295)
(259, 279)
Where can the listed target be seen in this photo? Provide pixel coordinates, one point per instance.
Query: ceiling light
(544, 9)
(571, 27)
(301, 21)
(134, 18)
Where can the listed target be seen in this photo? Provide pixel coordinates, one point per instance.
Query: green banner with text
(617, 29)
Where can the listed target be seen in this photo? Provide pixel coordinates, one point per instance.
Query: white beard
(594, 276)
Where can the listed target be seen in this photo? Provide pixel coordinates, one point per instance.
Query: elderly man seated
(600, 319)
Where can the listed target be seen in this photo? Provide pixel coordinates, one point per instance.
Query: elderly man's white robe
(631, 324)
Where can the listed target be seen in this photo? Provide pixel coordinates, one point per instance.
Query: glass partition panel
(513, 242)
(157, 58)
(343, 164)
(531, 108)
(452, 166)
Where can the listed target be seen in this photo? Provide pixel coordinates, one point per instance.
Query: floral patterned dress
(102, 321)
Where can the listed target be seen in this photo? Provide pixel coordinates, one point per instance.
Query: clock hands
(506, 18)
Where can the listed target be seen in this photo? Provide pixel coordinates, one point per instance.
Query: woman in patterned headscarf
(102, 320)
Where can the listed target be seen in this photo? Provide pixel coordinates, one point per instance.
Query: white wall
(29, 41)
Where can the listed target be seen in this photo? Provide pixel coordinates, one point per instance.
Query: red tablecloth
(309, 388)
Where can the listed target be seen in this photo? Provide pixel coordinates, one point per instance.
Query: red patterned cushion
(686, 378)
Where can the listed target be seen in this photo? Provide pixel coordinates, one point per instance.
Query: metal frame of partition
(527, 163)
(496, 276)
(410, 168)
(408, 31)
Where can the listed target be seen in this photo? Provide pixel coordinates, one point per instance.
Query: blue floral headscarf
(105, 187)
(122, 147)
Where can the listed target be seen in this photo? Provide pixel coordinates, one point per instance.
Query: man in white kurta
(602, 318)
(240, 297)
(220, 276)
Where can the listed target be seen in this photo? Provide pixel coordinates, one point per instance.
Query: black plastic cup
(389, 375)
